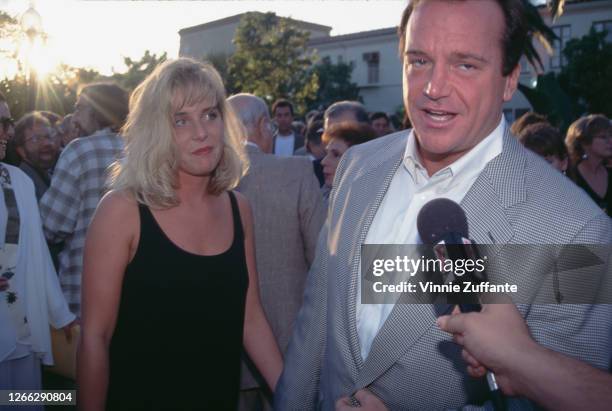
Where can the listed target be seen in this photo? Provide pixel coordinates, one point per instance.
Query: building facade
(377, 69)
(215, 38)
(374, 54)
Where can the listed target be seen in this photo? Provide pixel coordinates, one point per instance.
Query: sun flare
(38, 58)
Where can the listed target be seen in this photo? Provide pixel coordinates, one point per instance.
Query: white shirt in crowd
(284, 145)
(410, 189)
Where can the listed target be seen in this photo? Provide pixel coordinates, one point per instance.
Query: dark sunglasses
(6, 122)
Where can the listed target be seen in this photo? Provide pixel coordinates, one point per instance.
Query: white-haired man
(288, 215)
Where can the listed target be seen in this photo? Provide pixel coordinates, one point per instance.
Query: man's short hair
(51, 116)
(341, 107)
(543, 139)
(249, 109)
(313, 115)
(379, 114)
(109, 103)
(282, 103)
(314, 132)
(351, 133)
(515, 37)
(526, 120)
(25, 123)
(582, 131)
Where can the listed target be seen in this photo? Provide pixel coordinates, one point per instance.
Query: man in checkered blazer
(461, 63)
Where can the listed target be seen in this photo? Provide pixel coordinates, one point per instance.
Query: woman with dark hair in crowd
(337, 140)
(546, 141)
(526, 120)
(589, 142)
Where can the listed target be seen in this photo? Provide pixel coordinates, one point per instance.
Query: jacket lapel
(499, 186)
(367, 192)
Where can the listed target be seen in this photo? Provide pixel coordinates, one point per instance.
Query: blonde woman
(170, 287)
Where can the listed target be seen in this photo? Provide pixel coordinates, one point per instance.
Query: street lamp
(31, 25)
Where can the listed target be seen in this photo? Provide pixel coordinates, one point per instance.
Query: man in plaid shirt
(79, 179)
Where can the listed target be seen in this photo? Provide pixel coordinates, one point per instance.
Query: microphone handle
(497, 396)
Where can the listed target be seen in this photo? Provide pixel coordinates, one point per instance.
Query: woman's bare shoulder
(118, 206)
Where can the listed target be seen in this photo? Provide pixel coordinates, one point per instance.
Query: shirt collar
(285, 137)
(475, 159)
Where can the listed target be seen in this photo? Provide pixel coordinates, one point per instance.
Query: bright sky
(98, 33)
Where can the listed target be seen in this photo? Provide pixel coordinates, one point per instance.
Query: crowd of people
(205, 244)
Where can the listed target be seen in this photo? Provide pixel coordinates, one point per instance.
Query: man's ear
(261, 124)
(512, 82)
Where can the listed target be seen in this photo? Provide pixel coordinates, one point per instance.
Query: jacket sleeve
(298, 386)
(581, 331)
(311, 212)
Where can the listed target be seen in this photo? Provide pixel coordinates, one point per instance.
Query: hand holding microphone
(443, 224)
(495, 338)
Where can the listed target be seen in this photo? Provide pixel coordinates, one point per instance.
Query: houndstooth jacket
(412, 365)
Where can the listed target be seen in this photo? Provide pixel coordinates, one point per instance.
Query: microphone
(442, 223)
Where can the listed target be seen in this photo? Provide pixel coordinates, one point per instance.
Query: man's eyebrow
(457, 55)
(414, 52)
(468, 56)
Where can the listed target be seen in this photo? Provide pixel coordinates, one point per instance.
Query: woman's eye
(211, 115)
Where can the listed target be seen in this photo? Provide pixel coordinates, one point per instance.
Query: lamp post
(31, 25)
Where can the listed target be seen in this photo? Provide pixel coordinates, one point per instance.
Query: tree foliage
(334, 84)
(138, 70)
(588, 73)
(9, 35)
(220, 62)
(271, 60)
(547, 97)
(58, 91)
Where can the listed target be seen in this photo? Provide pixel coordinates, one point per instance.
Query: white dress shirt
(410, 189)
(284, 145)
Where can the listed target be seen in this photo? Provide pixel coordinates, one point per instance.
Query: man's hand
(368, 401)
(495, 338)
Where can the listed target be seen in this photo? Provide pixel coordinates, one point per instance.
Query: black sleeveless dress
(178, 339)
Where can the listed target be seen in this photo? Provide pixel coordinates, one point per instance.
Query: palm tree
(539, 30)
(546, 97)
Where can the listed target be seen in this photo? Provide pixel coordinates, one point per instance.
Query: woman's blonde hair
(149, 169)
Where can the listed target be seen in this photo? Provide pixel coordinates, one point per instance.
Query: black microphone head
(440, 217)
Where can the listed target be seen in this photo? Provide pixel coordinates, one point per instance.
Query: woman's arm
(109, 246)
(258, 338)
